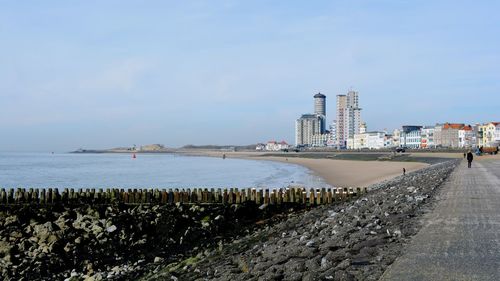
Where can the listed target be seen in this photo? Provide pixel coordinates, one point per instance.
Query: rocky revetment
(354, 240)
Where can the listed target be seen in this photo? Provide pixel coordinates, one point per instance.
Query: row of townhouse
(450, 135)
(370, 140)
(446, 135)
(488, 134)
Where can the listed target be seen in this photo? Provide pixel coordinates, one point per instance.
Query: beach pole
(311, 197)
(3, 196)
(224, 196)
(43, 196)
(230, 196)
(211, 195)
(35, 196)
(238, 196)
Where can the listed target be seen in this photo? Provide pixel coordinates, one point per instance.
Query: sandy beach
(335, 172)
(351, 173)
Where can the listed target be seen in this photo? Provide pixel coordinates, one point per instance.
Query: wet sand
(335, 172)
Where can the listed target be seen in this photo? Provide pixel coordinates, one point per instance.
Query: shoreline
(345, 173)
(350, 173)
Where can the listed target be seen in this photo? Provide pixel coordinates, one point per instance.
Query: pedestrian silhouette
(469, 159)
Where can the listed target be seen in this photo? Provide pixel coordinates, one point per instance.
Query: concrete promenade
(460, 238)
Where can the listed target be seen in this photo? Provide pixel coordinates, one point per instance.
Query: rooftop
(457, 126)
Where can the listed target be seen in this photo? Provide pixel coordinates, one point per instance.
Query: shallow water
(43, 170)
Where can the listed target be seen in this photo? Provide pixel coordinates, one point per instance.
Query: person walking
(469, 159)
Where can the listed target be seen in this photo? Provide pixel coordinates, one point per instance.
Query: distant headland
(160, 148)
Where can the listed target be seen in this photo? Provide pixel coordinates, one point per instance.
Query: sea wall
(118, 234)
(354, 240)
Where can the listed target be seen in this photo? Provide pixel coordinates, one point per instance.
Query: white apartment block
(375, 140)
(320, 140)
(396, 138)
(276, 146)
(369, 140)
(466, 137)
(332, 139)
(427, 137)
(348, 117)
(411, 137)
(306, 127)
(359, 141)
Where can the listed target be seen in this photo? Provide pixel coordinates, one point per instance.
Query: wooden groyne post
(296, 195)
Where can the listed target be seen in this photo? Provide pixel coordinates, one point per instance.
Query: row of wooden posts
(173, 196)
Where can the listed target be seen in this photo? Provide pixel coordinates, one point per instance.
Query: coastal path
(460, 238)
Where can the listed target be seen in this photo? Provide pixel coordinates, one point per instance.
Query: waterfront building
(389, 141)
(320, 140)
(348, 117)
(375, 140)
(466, 137)
(359, 140)
(396, 138)
(332, 138)
(306, 127)
(320, 109)
(260, 147)
(309, 125)
(320, 104)
(350, 143)
(478, 133)
(410, 137)
(427, 137)
(437, 135)
(276, 146)
(490, 134)
(449, 134)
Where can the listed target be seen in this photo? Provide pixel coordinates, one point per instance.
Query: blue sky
(100, 74)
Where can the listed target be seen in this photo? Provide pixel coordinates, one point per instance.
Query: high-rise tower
(348, 117)
(309, 125)
(320, 104)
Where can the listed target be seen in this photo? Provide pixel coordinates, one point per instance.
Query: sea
(78, 170)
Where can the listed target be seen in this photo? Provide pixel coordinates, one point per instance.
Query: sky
(100, 74)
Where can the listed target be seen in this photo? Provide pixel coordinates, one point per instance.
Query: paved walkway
(460, 239)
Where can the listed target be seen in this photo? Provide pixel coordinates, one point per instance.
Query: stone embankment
(354, 240)
(116, 242)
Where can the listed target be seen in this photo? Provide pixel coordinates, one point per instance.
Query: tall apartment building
(332, 139)
(320, 109)
(348, 117)
(306, 127)
(309, 127)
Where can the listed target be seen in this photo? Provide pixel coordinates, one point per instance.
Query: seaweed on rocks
(121, 242)
(354, 240)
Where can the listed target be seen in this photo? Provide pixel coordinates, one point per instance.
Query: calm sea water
(43, 170)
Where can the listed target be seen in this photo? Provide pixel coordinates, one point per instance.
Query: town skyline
(350, 131)
(96, 75)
